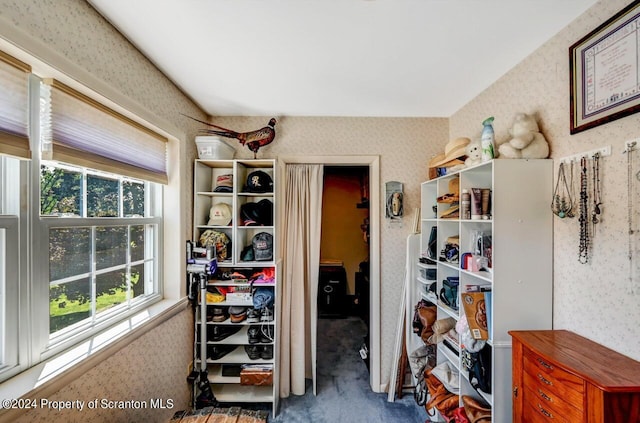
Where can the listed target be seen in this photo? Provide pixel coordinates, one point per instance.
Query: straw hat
(454, 149)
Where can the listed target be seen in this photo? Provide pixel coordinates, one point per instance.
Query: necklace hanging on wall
(630, 149)
(562, 202)
(583, 255)
(597, 196)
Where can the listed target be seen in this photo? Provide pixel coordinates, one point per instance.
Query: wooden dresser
(559, 376)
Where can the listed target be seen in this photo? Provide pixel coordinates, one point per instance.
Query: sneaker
(266, 334)
(253, 334)
(217, 314)
(216, 352)
(266, 315)
(253, 316)
(253, 351)
(218, 332)
(267, 352)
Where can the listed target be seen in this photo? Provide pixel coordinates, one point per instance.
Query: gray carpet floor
(344, 394)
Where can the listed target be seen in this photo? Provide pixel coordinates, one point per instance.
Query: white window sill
(46, 378)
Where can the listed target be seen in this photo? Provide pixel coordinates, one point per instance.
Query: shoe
(266, 315)
(253, 334)
(216, 352)
(266, 334)
(253, 351)
(253, 316)
(238, 314)
(267, 352)
(220, 332)
(218, 314)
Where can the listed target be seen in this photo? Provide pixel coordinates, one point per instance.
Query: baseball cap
(250, 214)
(265, 208)
(259, 181)
(220, 215)
(262, 246)
(220, 240)
(257, 214)
(224, 183)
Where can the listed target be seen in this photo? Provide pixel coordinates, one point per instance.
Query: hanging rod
(602, 151)
(631, 145)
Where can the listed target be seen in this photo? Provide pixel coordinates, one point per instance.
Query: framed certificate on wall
(605, 71)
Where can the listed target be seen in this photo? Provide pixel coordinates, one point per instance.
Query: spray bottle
(487, 140)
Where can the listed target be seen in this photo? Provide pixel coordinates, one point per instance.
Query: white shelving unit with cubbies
(518, 225)
(240, 189)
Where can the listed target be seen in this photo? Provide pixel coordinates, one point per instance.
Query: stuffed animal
(527, 142)
(474, 153)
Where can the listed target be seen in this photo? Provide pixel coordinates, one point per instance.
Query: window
(81, 200)
(103, 261)
(9, 263)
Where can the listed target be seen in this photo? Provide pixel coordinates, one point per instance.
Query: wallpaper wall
(149, 374)
(598, 300)
(404, 145)
(70, 36)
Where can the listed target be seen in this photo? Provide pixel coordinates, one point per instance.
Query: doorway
(343, 282)
(372, 163)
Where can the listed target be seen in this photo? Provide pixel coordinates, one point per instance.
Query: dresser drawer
(554, 392)
(533, 412)
(550, 407)
(560, 376)
(553, 379)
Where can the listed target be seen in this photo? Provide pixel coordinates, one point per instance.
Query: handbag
(423, 318)
(421, 358)
(479, 366)
(459, 415)
(439, 398)
(476, 411)
(449, 292)
(448, 376)
(420, 392)
(427, 317)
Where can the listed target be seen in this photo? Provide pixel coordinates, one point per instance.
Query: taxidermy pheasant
(252, 139)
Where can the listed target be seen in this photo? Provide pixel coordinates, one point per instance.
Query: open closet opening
(344, 274)
(300, 340)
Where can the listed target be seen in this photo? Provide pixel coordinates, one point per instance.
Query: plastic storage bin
(215, 148)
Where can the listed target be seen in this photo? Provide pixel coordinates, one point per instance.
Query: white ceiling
(394, 58)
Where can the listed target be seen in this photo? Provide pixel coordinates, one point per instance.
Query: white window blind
(14, 111)
(86, 133)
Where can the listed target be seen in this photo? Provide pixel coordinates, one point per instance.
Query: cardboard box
(475, 308)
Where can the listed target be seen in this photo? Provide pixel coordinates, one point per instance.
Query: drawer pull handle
(543, 380)
(544, 364)
(545, 412)
(544, 396)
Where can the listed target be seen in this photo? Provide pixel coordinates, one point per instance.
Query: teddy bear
(527, 142)
(474, 153)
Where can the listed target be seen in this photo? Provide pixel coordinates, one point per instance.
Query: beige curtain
(302, 217)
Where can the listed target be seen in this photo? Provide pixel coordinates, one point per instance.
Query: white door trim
(373, 162)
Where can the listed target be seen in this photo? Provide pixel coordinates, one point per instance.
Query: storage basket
(210, 147)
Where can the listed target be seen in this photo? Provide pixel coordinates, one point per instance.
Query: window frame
(31, 345)
(50, 344)
(9, 290)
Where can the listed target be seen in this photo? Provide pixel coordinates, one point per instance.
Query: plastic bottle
(465, 205)
(487, 140)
